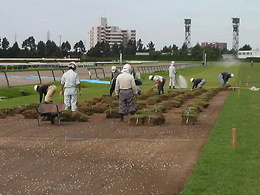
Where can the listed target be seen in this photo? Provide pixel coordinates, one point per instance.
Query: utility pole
(60, 41)
(48, 35)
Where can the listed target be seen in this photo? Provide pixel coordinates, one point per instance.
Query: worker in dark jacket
(223, 77)
(115, 73)
(197, 83)
(159, 82)
(47, 91)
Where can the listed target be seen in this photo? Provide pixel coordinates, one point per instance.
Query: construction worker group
(122, 83)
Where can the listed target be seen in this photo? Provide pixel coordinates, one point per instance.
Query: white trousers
(172, 82)
(70, 98)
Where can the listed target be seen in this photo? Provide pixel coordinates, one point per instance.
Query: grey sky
(160, 21)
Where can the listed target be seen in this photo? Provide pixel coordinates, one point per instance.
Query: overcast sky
(160, 21)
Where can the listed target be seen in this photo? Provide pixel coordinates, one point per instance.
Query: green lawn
(220, 170)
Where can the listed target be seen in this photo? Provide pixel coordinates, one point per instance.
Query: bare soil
(102, 156)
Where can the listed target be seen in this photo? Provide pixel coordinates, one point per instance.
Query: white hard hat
(191, 80)
(172, 63)
(150, 77)
(126, 68)
(232, 75)
(72, 65)
(36, 88)
(113, 68)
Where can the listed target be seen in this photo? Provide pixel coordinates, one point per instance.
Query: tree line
(50, 49)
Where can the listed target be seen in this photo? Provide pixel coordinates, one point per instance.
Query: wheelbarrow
(52, 111)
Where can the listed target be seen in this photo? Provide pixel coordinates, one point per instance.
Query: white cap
(113, 68)
(172, 63)
(36, 88)
(150, 77)
(72, 65)
(191, 80)
(126, 68)
(232, 75)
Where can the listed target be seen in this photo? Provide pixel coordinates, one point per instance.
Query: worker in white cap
(126, 90)
(69, 85)
(47, 91)
(223, 77)
(197, 83)
(172, 74)
(114, 73)
(159, 82)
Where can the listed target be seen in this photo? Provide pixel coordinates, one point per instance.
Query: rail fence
(54, 74)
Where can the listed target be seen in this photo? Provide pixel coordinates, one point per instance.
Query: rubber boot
(121, 117)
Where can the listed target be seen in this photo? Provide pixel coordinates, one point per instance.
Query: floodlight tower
(187, 23)
(235, 42)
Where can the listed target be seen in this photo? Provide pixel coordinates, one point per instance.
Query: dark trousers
(126, 100)
(161, 86)
(113, 86)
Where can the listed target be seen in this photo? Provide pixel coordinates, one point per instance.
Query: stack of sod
(112, 113)
(147, 119)
(189, 116)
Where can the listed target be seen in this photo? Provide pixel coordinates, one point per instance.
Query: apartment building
(221, 46)
(110, 34)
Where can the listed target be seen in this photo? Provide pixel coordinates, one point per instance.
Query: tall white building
(110, 34)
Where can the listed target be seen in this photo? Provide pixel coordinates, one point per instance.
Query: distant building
(218, 45)
(255, 53)
(110, 34)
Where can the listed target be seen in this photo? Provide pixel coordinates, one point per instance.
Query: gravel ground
(102, 156)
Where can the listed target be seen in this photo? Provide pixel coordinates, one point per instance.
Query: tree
(197, 52)
(95, 51)
(79, 47)
(105, 48)
(52, 49)
(139, 46)
(115, 50)
(29, 45)
(14, 51)
(150, 46)
(41, 49)
(130, 47)
(65, 48)
(246, 47)
(184, 49)
(5, 44)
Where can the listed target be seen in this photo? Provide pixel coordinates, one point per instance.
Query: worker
(47, 91)
(126, 91)
(172, 73)
(159, 83)
(197, 83)
(69, 85)
(223, 77)
(114, 73)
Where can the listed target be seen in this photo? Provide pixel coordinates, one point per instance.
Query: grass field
(221, 170)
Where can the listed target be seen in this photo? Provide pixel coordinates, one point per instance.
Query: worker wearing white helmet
(47, 91)
(115, 73)
(159, 83)
(69, 85)
(223, 77)
(126, 90)
(197, 83)
(172, 74)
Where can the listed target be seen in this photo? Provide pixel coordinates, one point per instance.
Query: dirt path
(102, 156)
